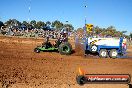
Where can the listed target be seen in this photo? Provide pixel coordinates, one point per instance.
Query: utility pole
(85, 15)
(85, 10)
(29, 11)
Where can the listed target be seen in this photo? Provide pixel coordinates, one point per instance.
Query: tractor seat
(47, 45)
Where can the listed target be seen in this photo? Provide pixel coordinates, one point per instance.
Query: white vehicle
(105, 47)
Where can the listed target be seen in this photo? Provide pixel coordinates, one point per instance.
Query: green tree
(33, 23)
(97, 30)
(57, 25)
(13, 22)
(48, 23)
(26, 23)
(40, 24)
(69, 27)
(110, 31)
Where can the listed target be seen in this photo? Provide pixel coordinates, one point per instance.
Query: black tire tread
(65, 44)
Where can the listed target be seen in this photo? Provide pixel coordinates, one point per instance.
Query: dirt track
(20, 67)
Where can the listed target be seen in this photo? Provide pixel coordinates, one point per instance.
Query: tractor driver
(58, 41)
(47, 44)
(47, 38)
(62, 38)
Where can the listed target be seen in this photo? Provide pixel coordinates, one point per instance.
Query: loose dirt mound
(79, 50)
(20, 67)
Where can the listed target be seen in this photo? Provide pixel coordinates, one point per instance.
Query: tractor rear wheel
(113, 53)
(103, 53)
(65, 48)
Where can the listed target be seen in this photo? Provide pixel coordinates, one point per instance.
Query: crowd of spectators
(28, 32)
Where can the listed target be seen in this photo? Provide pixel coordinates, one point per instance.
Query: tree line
(106, 32)
(57, 25)
(38, 24)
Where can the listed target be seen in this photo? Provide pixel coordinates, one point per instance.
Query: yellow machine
(89, 27)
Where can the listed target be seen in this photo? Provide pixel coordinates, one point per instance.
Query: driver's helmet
(63, 32)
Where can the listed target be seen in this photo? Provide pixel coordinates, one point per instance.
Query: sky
(102, 13)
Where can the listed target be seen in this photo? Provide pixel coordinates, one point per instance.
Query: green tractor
(61, 45)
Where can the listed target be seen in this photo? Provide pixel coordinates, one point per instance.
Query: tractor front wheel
(36, 50)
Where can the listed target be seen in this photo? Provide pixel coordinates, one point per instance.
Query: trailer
(105, 47)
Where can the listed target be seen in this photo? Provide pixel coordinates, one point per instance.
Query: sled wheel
(113, 53)
(103, 53)
(94, 48)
